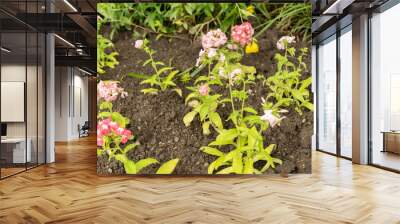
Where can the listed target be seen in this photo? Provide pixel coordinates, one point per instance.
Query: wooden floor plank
(69, 191)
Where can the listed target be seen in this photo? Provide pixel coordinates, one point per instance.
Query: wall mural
(204, 88)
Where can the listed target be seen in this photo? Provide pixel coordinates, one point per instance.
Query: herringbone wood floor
(70, 192)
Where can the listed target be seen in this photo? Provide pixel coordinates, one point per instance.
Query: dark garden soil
(156, 120)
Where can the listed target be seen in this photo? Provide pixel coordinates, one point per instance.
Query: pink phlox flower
(109, 91)
(243, 33)
(213, 39)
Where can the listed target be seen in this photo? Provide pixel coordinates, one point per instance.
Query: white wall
(33, 127)
(70, 83)
(62, 81)
(14, 73)
(81, 94)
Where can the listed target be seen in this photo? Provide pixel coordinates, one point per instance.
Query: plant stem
(209, 69)
(240, 13)
(244, 89)
(153, 64)
(230, 93)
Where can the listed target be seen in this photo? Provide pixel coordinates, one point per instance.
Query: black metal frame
(44, 75)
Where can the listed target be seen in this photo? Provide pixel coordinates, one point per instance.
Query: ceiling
(74, 22)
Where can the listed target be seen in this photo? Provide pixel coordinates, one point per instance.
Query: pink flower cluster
(109, 91)
(242, 33)
(213, 39)
(108, 127)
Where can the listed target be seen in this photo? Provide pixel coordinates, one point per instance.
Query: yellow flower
(250, 9)
(252, 48)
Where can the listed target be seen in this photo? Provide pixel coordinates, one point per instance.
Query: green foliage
(293, 18)
(119, 16)
(163, 78)
(106, 56)
(170, 18)
(243, 139)
(195, 18)
(286, 85)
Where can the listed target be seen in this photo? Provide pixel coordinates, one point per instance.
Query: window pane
(327, 96)
(385, 114)
(346, 93)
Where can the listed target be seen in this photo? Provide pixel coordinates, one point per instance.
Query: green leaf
(220, 161)
(206, 128)
(190, 96)
(216, 120)
(138, 76)
(129, 147)
(221, 142)
(120, 119)
(202, 79)
(144, 163)
(151, 81)
(178, 91)
(227, 135)
(163, 70)
(104, 115)
(121, 157)
(149, 91)
(130, 167)
(171, 75)
(168, 167)
(248, 166)
(269, 149)
(106, 105)
(227, 170)
(237, 163)
(308, 105)
(276, 160)
(203, 111)
(250, 110)
(146, 62)
(188, 118)
(212, 151)
(168, 83)
(253, 136)
(306, 83)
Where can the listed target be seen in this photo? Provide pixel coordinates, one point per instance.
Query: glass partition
(385, 89)
(22, 101)
(346, 92)
(13, 94)
(326, 99)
